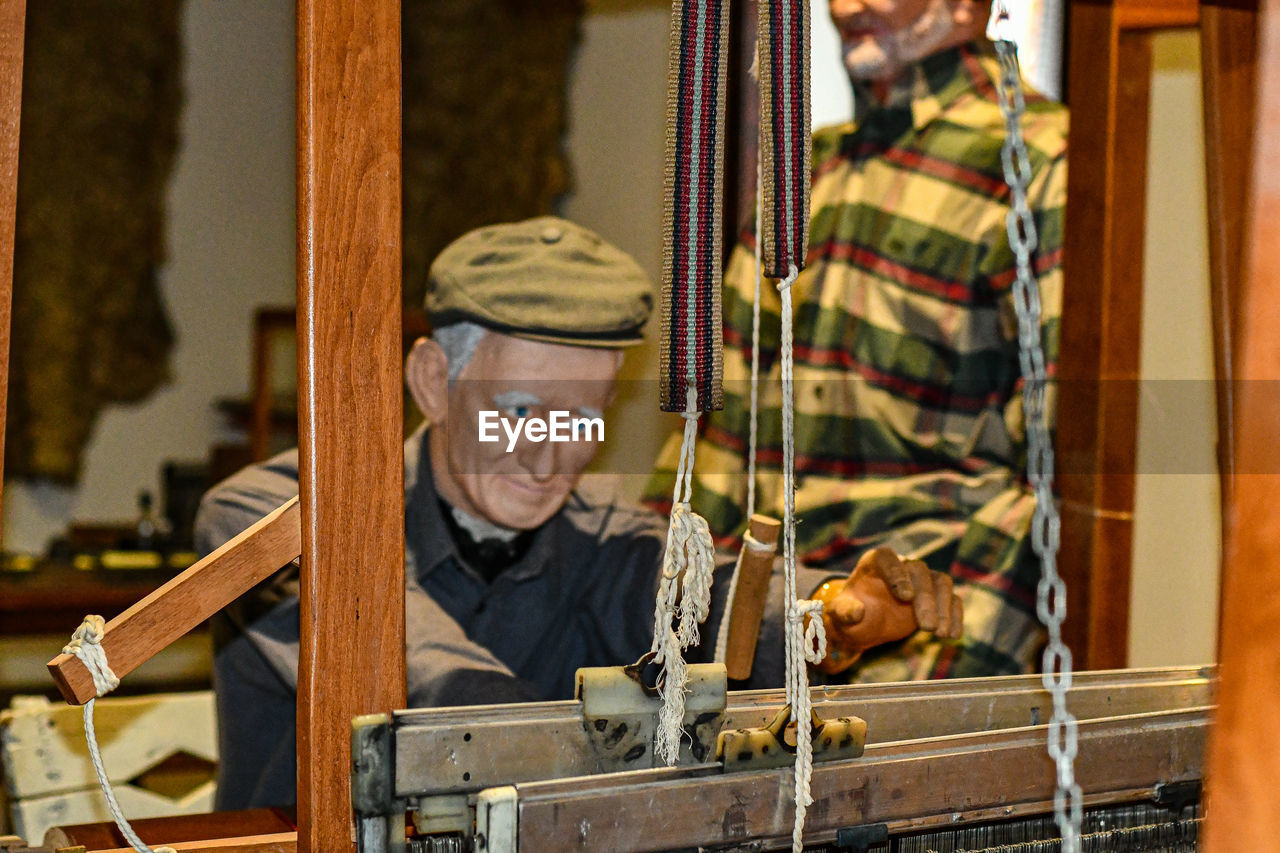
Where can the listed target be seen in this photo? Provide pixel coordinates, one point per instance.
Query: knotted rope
(687, 567)
(86, 644)
(785, 151)
(805, 636)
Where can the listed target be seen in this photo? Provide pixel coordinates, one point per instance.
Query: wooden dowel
(749, 599)
(134, 636)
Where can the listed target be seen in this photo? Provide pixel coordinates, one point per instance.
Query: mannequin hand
(885, 598)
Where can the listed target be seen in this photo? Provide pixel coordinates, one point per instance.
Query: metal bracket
(860, 839)
(757, 749)
(497, 814)
(620, 713)
(380, 817)
(1176, 796)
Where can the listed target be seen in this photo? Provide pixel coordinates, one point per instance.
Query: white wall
(230, 233)
(1177, 535)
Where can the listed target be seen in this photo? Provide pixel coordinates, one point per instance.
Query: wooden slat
(133, 637)
(180, 828)
(1229, 47)
(1243, 810)
(1109, 81)
(281, 842)
(13, 15)
(349, 380)
(1157, 14)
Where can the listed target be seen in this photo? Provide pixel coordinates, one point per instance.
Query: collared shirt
(908, 411)
(581, 594)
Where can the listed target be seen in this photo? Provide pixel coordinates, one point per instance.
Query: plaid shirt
(908, 427)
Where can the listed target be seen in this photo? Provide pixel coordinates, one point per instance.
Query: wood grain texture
(1109, 78)
(1243, 811)
(349, 384)
(239, 825)
(13, 15)
(280, 842)
(749, 597)
(1228, 50)
(178, 606)
(1157, 14)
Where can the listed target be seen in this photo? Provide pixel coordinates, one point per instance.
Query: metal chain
(1051, 594)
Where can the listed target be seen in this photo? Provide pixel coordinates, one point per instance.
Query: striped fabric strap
(691, 324)
(784, 134)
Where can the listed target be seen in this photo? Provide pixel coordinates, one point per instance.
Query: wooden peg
(749, 599)
(134, 636)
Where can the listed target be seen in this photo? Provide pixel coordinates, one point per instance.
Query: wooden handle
(131, 638)
(749, 599)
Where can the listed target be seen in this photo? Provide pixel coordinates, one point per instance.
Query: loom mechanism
(962, 760)
(967, 756)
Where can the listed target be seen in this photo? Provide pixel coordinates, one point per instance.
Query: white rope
(722, 640)
(806, 638)
(687, 567)
(86, 644)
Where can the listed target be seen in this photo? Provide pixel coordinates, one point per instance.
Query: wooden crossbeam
(1157, 14)
(136, 635)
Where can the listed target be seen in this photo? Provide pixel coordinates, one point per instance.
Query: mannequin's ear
(426, 373)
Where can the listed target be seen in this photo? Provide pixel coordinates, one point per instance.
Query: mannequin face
(520, 487)
(882, 37)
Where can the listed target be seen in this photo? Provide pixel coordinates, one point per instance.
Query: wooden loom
(348, 261)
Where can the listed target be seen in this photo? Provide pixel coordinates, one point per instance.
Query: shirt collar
(429, 543)
(930, 87)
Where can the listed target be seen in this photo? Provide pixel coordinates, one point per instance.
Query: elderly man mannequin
(518, 570)
(909, 430)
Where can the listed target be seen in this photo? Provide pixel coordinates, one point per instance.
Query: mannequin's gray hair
(459, 342)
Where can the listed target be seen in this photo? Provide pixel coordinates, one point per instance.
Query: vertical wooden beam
(1109, 78)
(1243, 810)
(13, 14)
(349, 380)
(1228, 54)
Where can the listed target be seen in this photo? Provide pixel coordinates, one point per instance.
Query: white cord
(722, 640)
(806, 638)
(687, 566)
(86, 644)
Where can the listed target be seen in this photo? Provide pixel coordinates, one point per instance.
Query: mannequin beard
(883, 57)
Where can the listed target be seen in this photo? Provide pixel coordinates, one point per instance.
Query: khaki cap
(545, 279)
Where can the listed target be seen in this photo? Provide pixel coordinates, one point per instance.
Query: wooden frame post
(1109, 81)
(13, 15)
(1243, 810)
(1229, 54)
(351, 467)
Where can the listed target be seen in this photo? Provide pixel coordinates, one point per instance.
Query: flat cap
(545, 279)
